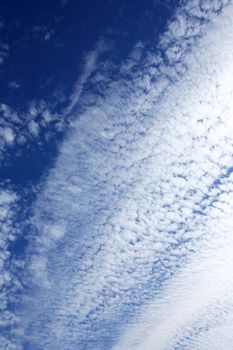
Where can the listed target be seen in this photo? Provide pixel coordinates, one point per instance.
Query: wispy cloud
(89, 67)
(137, 207)
(4, 51)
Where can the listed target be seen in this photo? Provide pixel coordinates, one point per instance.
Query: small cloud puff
(7, 134)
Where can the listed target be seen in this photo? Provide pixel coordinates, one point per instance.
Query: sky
(116, 176)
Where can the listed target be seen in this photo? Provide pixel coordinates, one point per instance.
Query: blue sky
(116, 175)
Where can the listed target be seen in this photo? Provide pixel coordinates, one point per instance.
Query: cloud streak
(89, 67)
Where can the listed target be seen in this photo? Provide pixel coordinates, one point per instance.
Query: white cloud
(57, 231)
(143, 188)
(7, 134)
(192, 302)
(33, 127)
(178, 27)
(90, 65)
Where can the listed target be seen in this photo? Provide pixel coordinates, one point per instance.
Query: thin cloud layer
(9, 283)
(131, 233)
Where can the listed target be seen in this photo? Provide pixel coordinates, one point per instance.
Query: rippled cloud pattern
(131, 231)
